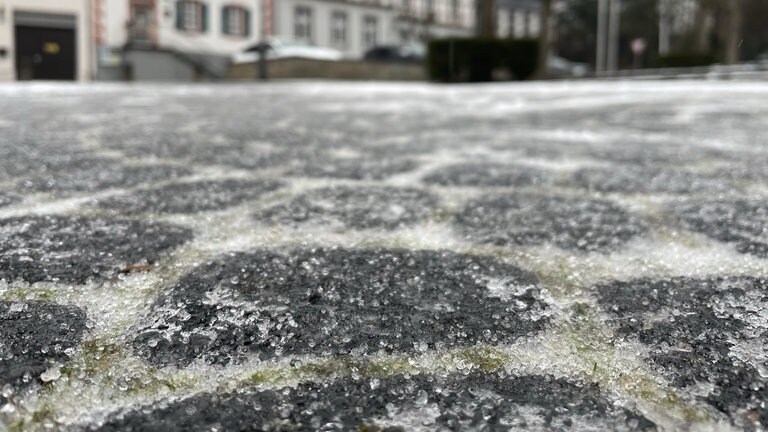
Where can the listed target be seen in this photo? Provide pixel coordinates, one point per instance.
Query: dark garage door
(45, 52)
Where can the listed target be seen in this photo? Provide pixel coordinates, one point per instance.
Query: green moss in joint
(45, 416)
(271, 376)
(98, 355)
(380, 368)
(441, 216)
(485, 358)
(28, 294)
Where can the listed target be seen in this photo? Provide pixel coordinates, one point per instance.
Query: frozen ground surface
(329, 256)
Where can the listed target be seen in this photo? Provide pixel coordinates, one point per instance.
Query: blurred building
(419, 20)
(351, 27)
(195, 39)
(354, 26)
(171, 39)
(518, 18)
(45, 39)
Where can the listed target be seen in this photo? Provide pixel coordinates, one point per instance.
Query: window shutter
(203, 17)
(247, 14)
(179, 15)
(225, 20)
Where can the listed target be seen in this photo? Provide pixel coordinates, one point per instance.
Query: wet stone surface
(360, 207)
(250, 154)
(35, 334)
(643, 154)
(570, 223)
(74, 249)
(8, 199)
(493, 401)
(707, 334)
(487, 174)
(741, 223)
(382, 256)
(190, 197)
(353, 168)
(32, 161)
(640, 179)
(340, 301)
(101, 175)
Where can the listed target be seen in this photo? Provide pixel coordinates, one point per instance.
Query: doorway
(45, 52)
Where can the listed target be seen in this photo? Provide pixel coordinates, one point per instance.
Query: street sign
(638, 46)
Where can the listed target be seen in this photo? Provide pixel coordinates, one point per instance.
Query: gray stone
(35, 334)
(487, 174)
(526, 219)
(198, 148)
(643, 179)
(361, 207)
(488, 402)
(102, 176)
(190, 197)
(339, 301)
(694, 327)
(353, 168)
(8, 199)
(644, 154)
(741, 222)
(75, 249)
(32, 161)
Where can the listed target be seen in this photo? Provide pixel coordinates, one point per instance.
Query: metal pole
(262, 69)
(613, 35)
(665, 31)
(602, 25)
(262, 63)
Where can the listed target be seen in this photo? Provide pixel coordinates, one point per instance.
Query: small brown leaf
(136, 268)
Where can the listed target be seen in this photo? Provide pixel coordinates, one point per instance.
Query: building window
(405, 36)
(504, 23)
(534, 24)
(235, 21)
(302, 30)
(430, 10)
(519, 24)
(339, 28)
(456, 10)
(370, 31)
(191, 16)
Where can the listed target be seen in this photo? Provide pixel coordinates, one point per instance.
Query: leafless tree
(731, 28)
(485, 15)
(545, 38)
(723, 17)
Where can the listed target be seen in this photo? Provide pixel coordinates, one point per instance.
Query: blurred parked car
(559, 67)
(283, 48)
(411, 53)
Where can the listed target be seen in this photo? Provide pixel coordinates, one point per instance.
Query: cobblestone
(336, 256)
(74, 249)
(586, 225)
(354, 207)
(192, 197)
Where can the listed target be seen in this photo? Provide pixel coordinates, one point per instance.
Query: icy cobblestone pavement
(374, 257)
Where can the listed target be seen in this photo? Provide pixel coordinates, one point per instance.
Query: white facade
(419, 20)
(77, 10)
(442, 13)
(351, 27)
(519, 19)
(214, 39)
(104, 27)
(121, 22)
(396, 21)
